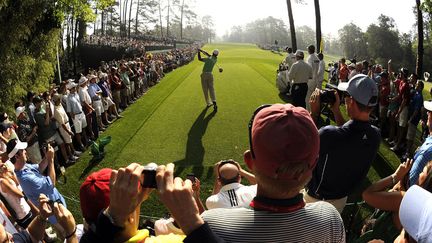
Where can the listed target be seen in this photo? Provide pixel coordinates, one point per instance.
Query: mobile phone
(191, 177)
(148, 178)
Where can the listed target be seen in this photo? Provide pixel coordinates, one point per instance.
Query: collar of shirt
(357, 124)
(231, 186)
(278, 205)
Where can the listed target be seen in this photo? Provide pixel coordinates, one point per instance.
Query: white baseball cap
(428, 105)
(415, 214)
(19, 110)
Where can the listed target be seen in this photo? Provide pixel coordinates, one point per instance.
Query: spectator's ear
(247, 156)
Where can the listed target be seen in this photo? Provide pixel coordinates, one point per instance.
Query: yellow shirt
(143, 237)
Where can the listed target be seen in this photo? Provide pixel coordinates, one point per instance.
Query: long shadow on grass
(194, 148)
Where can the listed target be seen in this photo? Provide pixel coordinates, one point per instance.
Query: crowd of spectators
(52, 129)
(135, 44)
(300, 171)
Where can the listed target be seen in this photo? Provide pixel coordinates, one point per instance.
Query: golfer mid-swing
(207, 76)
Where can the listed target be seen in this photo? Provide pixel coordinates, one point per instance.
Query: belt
(299, 83)
(78, 113)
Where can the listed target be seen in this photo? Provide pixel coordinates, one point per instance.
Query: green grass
(170, 124)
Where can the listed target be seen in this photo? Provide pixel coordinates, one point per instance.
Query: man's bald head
(229, 173)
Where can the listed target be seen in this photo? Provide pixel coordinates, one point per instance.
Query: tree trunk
(95, 23)
(292, 27)
(181, 20)
(420, 50)
(168, 19)
(136, 17)
(102, 22)
(318, 26)
(160, 19)
(130, 18)
(74, 45)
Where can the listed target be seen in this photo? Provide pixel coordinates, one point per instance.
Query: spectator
(343, 71)
(126, 89)
(27, 132)
(6, 133)
(414, 115)
(124, 186)
(227, 190)
(116, 86)
(282, 166)
(313, 61)
(95, 93)
(384, 92)
(35, 231)
(321, 69)
(47, 128)
(424, 153)
(377, 195)
(333, 179)
(65, 130)
(12, 192)
(352, 70)
(31, 176)
(402, 114)
(282, 82)
(30, 107)
(299, 73)
(74, 108)
(290, 58)
(87, 108)
(107, 99)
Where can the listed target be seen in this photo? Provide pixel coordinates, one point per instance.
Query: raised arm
(377, 194)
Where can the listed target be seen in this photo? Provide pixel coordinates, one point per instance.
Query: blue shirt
(74, 104)
(93, 89)
(346, 154)
(34, 183)
(416, 105)
(422, 156)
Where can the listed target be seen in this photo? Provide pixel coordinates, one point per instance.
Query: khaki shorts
(403, 117)
(65, 135)
(79, 122)
(107, 103)
(97, 105)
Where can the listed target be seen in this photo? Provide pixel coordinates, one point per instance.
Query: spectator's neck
(272, 194)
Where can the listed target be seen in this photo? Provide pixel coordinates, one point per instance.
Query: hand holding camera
(125, 186)
(45, 208)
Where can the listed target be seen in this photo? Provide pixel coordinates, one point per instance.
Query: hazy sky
(334, 13)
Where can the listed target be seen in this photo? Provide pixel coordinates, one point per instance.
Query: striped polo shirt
(232, 195)
(316, 222)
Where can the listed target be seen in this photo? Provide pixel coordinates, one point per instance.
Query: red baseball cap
(283, 135)
(94, 194)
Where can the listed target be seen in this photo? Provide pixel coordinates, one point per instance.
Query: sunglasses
(250, 127)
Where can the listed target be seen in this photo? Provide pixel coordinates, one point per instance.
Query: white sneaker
(76, 153)
(62, 171)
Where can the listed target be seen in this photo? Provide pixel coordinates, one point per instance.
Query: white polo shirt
(232, 196)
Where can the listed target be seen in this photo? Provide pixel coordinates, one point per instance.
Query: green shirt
(209, 64)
